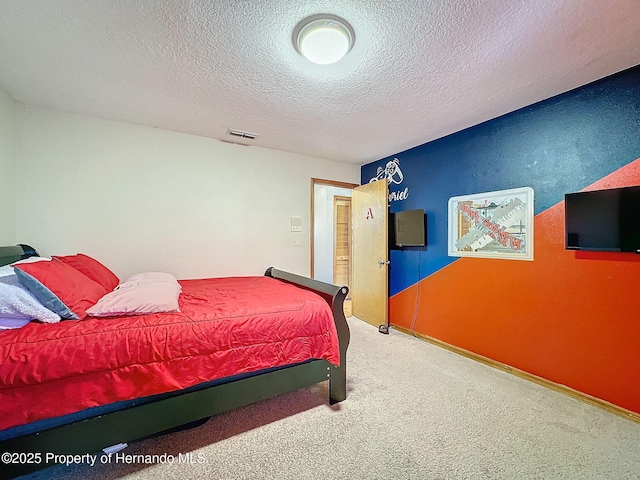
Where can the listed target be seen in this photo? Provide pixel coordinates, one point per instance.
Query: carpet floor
(413, 411)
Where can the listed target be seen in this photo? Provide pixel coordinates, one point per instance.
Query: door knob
(383, 262)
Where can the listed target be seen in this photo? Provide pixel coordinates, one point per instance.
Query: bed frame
(137, 422)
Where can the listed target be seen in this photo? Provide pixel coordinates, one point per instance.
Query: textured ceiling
(419, 70)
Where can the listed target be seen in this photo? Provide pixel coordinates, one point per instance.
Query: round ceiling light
(323, 39)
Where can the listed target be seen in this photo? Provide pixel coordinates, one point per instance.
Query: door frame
(331, 183)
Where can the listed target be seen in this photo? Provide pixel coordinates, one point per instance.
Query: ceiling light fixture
(323, 39)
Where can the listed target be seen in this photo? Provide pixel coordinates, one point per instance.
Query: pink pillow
(92, 269)
(60, 287)
(149, 277)
(139, 294)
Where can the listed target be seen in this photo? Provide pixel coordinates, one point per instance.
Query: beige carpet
(414, 411)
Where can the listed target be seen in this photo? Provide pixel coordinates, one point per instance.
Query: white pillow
(138, 294)
(32, 259)
(7, 270)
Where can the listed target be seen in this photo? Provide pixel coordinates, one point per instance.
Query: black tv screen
(409, 229)
(605, 220)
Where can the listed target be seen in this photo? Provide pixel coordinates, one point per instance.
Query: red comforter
(226, 326)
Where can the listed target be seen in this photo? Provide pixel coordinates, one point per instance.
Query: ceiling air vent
(242, 134)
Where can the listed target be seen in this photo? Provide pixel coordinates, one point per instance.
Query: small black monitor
(409, 228)
(605, 220)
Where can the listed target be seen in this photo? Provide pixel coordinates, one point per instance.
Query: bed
(231, 342)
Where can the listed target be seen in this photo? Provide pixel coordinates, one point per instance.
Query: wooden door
(342, 246)
(370, 253)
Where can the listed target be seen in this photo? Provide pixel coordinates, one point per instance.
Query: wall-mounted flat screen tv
(409, 228)
(603, 220)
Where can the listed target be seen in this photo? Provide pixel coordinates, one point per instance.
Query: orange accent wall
(570, 317)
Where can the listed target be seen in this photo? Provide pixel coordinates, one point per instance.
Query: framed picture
(492, 225)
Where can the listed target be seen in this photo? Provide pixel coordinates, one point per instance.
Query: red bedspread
(226, 326)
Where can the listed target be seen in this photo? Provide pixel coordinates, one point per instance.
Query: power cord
(415, 308)
(385, 328)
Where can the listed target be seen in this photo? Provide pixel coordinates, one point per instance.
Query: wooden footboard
(334, 296)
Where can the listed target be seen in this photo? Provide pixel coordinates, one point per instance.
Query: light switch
(296, 224)
(296, 241)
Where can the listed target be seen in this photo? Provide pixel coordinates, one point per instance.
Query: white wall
(7, 170)
(141, 199)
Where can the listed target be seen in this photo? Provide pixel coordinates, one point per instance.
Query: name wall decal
(394, 175)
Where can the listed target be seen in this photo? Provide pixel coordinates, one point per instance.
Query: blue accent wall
(556, 146)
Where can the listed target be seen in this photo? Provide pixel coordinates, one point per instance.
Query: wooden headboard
(16, 252)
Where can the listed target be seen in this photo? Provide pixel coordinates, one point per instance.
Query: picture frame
(495, 224)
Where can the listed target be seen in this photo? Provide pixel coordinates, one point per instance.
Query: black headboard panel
(16, 252)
